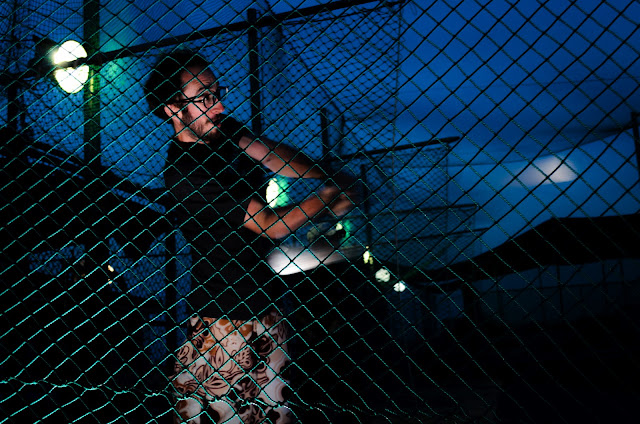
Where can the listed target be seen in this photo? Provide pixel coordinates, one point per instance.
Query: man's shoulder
(234, 129)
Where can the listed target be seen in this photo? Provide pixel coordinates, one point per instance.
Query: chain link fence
(489, 271)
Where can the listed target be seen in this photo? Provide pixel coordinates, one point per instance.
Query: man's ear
(174, 112)
(171, 110)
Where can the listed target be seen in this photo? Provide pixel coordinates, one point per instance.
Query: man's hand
(338, 201)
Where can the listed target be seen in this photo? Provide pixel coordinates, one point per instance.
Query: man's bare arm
(281, 158)
(279, 222)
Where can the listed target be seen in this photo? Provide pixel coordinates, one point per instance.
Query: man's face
(201, 116)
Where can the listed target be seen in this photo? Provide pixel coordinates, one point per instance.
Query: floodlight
(70, 79)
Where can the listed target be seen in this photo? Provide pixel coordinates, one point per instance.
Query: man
(230, 368)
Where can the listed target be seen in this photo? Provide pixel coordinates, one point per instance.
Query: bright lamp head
(70, 80)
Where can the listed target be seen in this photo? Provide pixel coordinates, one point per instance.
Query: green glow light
(276, 194)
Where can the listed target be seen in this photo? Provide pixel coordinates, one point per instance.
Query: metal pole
(636, 137)
(366, 205)
(14, 112)
(97, 252)
(91, 14)
(396, 148)
(254, 73)
(324, 131)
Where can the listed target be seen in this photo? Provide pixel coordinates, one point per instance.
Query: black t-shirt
(212, 185)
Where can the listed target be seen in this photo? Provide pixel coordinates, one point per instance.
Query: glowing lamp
(399, 287)
(383, 275)
(367, 257)
(70, 79)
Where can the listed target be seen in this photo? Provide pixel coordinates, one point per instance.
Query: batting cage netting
(319, 211)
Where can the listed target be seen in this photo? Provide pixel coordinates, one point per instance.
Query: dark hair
(164, 82)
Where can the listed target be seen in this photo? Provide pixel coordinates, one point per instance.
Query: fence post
(91, 26)
(15, 114)
(324, 132)
(366, 204)
(254, 73)
(636, 137)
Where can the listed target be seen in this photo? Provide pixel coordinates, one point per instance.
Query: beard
(204, 129)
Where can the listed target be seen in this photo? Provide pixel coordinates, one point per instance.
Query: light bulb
(70, 80)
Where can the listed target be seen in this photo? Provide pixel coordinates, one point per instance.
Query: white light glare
(273, 191)
(110, 269)
(547, 170)
(383, 275)
(70, 80)
(399, 287)
(367, 257)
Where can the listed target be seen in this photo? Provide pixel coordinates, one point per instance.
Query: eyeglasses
(208, 98)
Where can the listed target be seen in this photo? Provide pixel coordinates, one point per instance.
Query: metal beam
(91, 92)
(262, 21)
(636, 136)
(432, 142)
(254, 73)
